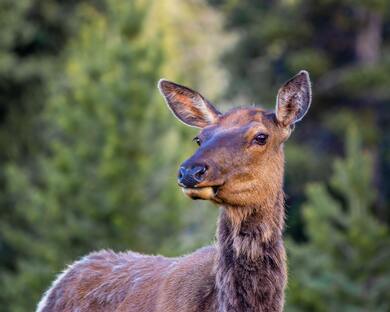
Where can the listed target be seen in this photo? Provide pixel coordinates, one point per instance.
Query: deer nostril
(199, 172)
(181, 174)
(189, 177)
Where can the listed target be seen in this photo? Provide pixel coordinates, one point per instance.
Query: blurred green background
(89, 152)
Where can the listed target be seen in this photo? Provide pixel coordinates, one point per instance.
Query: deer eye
(260, 139)
(197, 140)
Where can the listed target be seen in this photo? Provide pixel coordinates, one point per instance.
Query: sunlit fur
(245, 270)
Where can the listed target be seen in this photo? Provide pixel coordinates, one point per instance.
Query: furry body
(242, 279)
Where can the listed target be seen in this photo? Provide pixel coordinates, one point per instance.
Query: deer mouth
(204, 192)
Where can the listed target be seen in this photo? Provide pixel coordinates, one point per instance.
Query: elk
(239, 165)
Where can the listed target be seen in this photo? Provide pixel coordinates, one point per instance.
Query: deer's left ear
(294, 99)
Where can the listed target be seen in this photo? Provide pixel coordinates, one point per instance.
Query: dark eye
(197, 140)
(260, 139)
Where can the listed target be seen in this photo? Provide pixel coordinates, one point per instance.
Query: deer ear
(294, 99)
(188, 105)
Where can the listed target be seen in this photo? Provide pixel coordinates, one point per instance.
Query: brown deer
(238, 165)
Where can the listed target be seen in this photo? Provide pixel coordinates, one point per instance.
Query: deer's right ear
(294, 99)
(188, 105)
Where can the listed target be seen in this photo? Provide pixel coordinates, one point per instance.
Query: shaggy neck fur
(250, 270)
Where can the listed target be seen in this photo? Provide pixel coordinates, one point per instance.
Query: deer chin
(205, 193)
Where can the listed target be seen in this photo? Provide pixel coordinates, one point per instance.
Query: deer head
(240, 160)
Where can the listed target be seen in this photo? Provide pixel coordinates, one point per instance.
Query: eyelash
(197, 140)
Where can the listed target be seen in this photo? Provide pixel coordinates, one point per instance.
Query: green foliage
(345, 264)
(33, 34)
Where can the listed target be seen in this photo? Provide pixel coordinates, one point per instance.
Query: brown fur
(246, 269)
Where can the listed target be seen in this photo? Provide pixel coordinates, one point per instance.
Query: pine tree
(108, 177)
(345, 264)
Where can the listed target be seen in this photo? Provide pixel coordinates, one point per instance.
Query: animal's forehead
(240, 117)
(240, 120)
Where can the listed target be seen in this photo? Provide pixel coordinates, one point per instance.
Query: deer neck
(250, 270)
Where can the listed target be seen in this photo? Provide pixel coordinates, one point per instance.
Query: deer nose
(189, 177)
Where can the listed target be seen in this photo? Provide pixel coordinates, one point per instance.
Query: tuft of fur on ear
(294, 99)
(187, 105)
